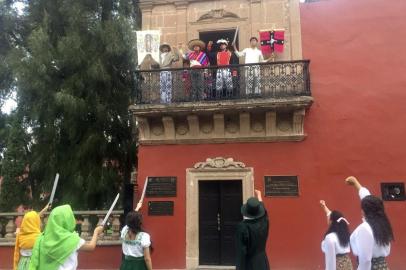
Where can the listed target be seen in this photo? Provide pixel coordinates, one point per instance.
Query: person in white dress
(336, 243)
(371, 240)
(136, 243)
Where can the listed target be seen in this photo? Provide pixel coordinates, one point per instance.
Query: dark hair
(253, 39)
(375, 215)
(134, 222)
(339, 228)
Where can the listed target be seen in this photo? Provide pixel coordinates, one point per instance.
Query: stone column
(146, 9)
(181, 21)
(10, 227)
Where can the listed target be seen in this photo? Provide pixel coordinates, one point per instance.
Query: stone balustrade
(86, 222)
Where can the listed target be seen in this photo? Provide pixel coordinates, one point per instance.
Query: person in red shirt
(224, 75)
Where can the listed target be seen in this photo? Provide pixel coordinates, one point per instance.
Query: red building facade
(355, 127)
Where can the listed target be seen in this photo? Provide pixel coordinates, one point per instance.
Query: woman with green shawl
(57, 247)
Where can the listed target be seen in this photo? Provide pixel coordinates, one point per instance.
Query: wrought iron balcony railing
(265, 80)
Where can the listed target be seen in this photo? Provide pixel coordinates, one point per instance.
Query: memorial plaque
(161, 186)
(281, 186)
(160, 208)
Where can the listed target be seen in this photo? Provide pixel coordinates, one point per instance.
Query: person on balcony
(28, 232)
(251, 235)
(57, 247)
(136, 243)
(198, 59)
(371, 240)
(252, 55)
(336, 243)
(224, 76)
(166, 59)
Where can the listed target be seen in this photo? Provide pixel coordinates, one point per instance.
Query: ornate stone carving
(257, 126)
(157, 129)
(182, 129)
(232, 128)
(219, 163)
(217, 14)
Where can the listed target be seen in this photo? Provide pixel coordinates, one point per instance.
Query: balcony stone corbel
(169, 127)
(193, 121)
(144, 128)
(218, 119)
(245, 124)
(270, 123)
(298, 121)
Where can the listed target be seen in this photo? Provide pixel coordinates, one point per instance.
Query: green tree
(15, 186)
(75, 78)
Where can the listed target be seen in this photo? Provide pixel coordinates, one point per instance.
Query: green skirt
(133, 263)
(23, 263)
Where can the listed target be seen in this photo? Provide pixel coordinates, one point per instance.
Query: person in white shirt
(336, 243)
(252, 55)
(371, 240)
(136, 243)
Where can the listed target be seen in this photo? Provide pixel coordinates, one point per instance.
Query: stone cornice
(221, 106)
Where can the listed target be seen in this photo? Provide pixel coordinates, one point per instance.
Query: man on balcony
(252, 72)
(224, 75)
(166, 59)
(198, 59)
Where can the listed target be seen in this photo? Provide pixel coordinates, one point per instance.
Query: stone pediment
(217, 14)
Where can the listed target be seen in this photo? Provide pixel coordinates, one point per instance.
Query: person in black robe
(251, 235)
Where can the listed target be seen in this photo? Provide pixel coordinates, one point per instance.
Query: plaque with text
(281, 186)
(164, 186)
(160, 208)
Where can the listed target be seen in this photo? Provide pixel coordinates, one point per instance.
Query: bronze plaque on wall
(160, 208)
(281, 186)
(163, 186)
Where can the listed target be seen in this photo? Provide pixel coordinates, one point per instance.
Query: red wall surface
(357, 126)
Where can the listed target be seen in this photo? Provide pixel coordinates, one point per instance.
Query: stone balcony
(261, 102)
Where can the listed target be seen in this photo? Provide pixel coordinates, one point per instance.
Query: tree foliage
(74, 74)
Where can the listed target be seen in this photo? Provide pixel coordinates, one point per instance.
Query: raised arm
(258, 194)
(325, 209)
(91, 245)
(362, 191)
(46, 208)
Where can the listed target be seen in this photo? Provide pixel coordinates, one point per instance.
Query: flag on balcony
(272, 41)
(148, 44)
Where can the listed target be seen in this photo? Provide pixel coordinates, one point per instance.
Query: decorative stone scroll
(217, 14)
(219, 163)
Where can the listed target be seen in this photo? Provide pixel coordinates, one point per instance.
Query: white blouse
(71, 262)
(252, 56)
(331, 247)
(135, 248)
(26, 252)
(363, 243)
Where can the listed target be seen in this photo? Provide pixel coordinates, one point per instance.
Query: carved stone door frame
(215, 169)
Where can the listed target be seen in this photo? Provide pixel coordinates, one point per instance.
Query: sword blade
(110, 210)
(144, 190)
(51, 198)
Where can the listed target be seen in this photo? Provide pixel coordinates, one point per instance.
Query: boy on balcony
(252, 72)
(224, 76)
(198, 59)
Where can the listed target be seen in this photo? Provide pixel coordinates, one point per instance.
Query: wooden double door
(219, 213)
